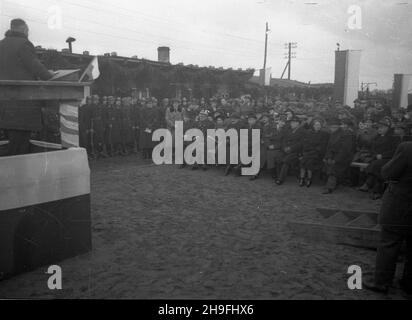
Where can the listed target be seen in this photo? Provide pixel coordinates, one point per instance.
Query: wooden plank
(364, 221)
(8, 93)
(41, 90)
(356, 228)
(44, 83)
(327, 212)
(354, 236)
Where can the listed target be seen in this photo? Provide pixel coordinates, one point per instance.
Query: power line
(88, 31)
(241, 53)
(290, 55)
(164, 21)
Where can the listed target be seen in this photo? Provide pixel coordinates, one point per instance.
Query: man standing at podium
(18, 61)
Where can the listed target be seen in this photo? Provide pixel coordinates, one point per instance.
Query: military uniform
(110, 135)
(98, 123)
(85, 112)
(148, 124)
(127, 126)
(117, 128)
(135, 122)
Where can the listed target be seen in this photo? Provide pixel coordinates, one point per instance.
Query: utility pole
(290, 55)
(289, 59)
(266, 45)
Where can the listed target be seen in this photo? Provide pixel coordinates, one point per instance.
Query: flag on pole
(92, 71)
(69, 125)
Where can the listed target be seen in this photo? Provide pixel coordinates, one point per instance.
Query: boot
(327, 191)
(308, 183)
(364, 187)
(301, 182)
(278, 182)
(274, 174)
(228, 169)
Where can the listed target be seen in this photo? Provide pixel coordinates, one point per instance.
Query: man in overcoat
(396, 223)
(18, 61)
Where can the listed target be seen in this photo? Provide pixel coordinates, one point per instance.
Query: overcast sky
(230, 33)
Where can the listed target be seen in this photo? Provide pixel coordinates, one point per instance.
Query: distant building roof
(285, 83)
(134, 59)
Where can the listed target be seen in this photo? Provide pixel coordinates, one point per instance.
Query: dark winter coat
(314, 148)
(340, 150)
(149, 119)
(18, 61)
(396, 209)
(292, 144)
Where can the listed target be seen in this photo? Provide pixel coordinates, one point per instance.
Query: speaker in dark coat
(18, 61)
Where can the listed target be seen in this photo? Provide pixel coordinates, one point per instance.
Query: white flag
(92, 71)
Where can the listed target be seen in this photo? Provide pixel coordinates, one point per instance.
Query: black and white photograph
(205, 151)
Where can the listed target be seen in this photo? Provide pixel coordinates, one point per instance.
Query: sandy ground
(164, 232)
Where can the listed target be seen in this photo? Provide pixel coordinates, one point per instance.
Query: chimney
(163, 54)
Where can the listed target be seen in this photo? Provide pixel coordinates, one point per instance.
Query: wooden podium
(45, 197)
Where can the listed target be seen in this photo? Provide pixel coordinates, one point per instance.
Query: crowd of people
(343, 145)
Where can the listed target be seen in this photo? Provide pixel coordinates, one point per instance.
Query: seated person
(338, 155)
(383, 148)
(291, 147)
(314, 147)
